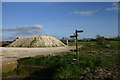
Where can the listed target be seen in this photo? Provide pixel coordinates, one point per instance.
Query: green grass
(89, 45)
(114, 44)
(62, 66)
(65, 65)
(79, 43)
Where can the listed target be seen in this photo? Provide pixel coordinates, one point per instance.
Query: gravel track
(9, 54)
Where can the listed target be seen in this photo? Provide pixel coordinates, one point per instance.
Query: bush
(101, 40)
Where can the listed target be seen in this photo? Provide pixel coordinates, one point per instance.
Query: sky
(60, 0)
(59, 19)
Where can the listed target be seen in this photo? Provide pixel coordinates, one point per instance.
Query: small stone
(74, 59)
(109, 73)
(101, 70)
(88, 69)
(100, 52)
(107, 46)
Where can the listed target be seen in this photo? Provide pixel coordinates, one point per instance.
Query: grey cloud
(25, 29)
(22, 31)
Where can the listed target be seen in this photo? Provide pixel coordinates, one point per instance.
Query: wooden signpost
(76, 36)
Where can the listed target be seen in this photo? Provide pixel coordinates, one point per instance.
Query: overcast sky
(25, 19)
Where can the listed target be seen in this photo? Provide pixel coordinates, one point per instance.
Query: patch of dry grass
(9, 67)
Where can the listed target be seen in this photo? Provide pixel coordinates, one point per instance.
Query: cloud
(9, 37)
(23, 31)
(83, 13)
(114, 7)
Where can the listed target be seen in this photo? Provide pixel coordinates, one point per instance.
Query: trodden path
(9, 55)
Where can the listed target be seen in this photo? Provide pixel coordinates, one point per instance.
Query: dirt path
(9, 55)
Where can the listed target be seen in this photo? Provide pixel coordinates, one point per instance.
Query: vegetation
(101, 40)
(95, 61)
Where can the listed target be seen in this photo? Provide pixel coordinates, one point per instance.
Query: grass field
(95, 62)
(79, 43)
(113, 43)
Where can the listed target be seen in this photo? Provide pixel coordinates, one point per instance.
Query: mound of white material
(37, 41)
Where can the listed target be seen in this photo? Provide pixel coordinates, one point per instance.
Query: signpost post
(76, 36)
